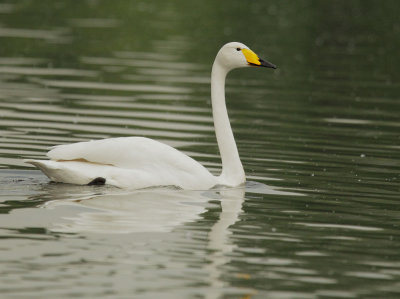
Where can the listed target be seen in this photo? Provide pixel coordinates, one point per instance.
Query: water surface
(319, 140)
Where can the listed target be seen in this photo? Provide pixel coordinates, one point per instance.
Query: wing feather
(126, 152)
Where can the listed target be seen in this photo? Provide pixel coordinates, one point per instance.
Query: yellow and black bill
(253, 59)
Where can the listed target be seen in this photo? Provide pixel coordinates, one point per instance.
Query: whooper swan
(138, 162)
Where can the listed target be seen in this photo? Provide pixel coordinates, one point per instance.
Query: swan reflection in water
(116, 211)
(162, 210)
(157, 210)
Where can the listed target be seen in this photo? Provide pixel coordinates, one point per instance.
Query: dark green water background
(319, 139)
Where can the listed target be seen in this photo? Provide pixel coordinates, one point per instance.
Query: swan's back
(128, 162)
(124, 152)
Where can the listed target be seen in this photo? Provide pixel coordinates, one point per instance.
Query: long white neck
(232, 169)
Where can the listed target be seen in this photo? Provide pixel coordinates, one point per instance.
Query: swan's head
(235, 55)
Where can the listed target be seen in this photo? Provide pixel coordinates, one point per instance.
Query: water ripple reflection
(45, 71)
(112, 86)
(55, 36)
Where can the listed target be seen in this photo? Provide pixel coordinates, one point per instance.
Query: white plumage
(126, 162)
(137, 162)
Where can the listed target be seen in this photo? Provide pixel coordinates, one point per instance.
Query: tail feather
(66, 172)
(42, 163)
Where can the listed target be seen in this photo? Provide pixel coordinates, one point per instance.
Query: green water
(319, 140)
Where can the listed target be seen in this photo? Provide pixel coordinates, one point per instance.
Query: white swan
(137, 162)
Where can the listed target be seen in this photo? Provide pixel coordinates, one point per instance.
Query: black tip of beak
(267, 64)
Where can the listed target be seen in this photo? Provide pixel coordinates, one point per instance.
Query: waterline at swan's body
(125, 162)
(137, 162)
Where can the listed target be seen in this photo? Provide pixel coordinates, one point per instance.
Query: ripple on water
(52, 36)
(21, 61)
(95, 23)
(341, 226)
(141, 63)
(46, 71)
(112, 86)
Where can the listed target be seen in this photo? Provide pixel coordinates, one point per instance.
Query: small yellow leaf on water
(243, 275)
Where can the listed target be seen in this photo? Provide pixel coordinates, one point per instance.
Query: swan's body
(137, 162)
(126, 162)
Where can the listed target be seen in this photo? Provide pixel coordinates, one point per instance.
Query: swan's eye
(238, 49)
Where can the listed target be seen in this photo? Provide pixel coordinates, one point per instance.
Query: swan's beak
(253, 59)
